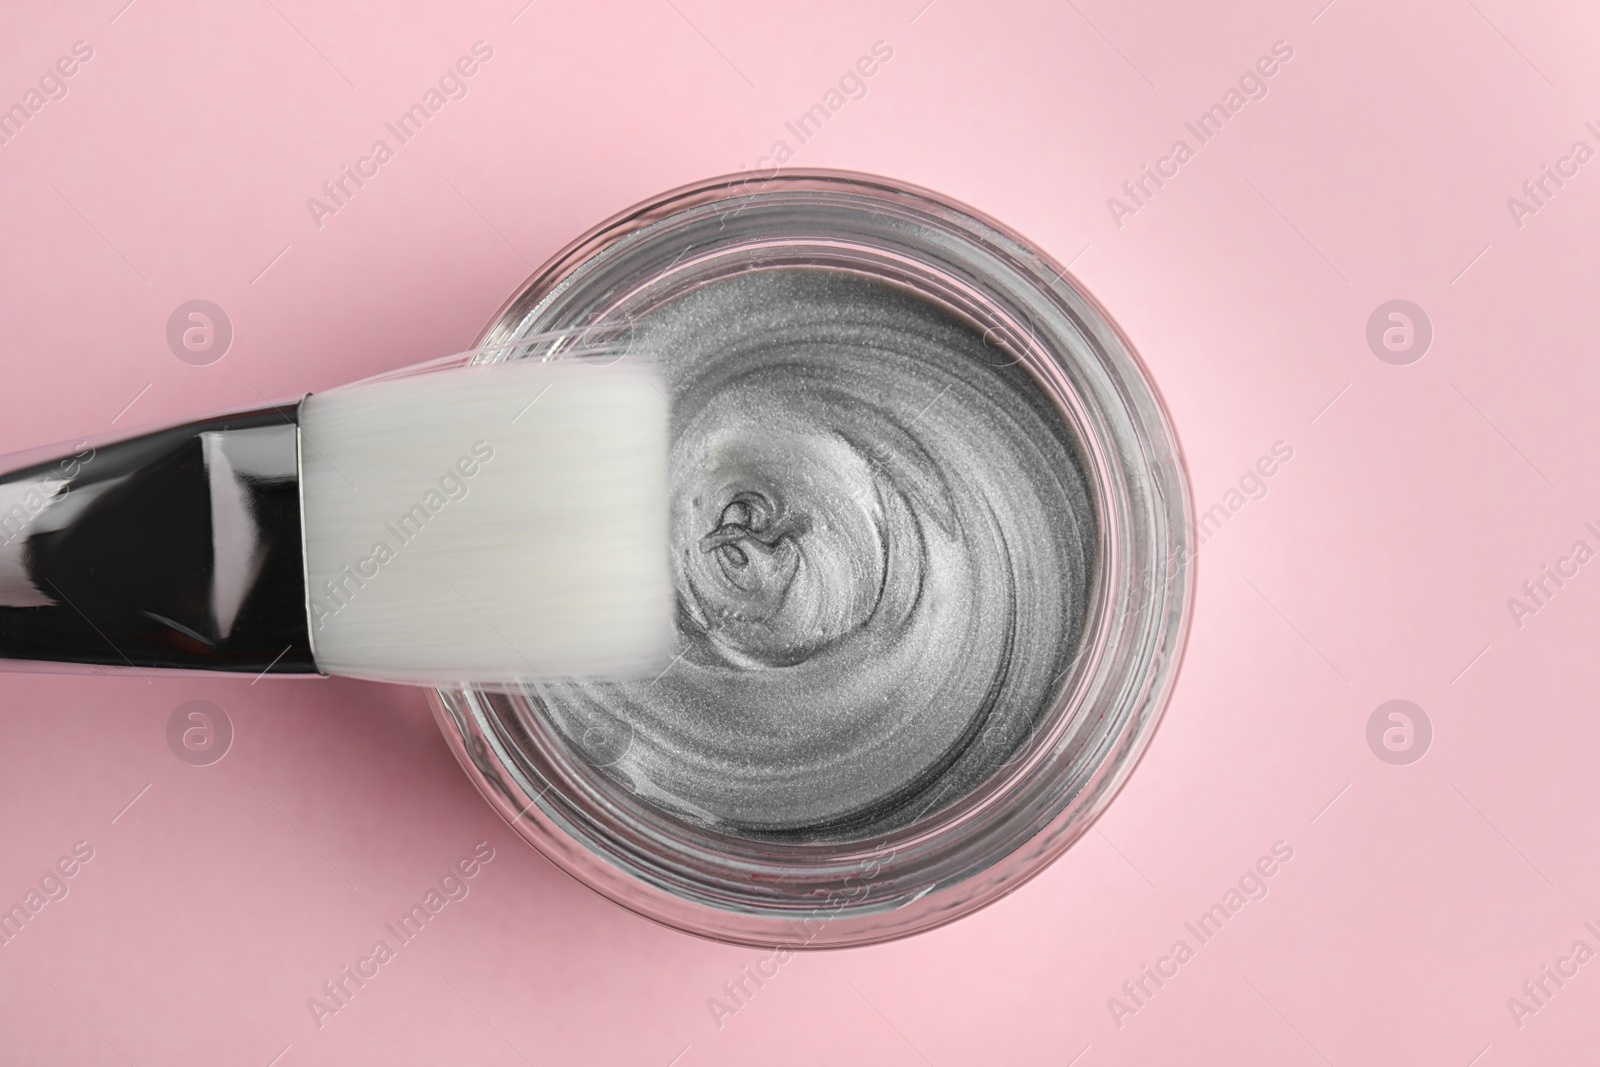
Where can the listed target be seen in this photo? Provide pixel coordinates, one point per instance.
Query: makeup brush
(484, 523)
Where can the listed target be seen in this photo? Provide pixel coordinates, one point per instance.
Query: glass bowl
(555, 778)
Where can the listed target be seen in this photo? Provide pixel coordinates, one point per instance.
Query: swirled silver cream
(883, 545)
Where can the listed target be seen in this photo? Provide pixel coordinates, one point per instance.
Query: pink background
(1419, 498)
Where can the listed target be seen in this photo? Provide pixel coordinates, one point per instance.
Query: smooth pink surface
(1377, 567)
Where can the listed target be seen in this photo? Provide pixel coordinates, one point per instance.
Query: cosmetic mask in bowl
(928, 531)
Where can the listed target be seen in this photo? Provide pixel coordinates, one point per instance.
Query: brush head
(492, 523)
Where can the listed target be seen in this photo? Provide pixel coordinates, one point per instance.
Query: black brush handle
(178, 549)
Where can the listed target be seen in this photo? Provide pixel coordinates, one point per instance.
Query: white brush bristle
(491, 523)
